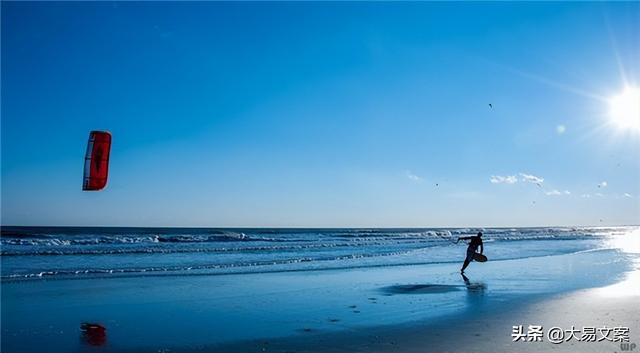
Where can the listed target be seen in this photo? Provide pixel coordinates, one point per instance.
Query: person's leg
(468, 259)
(466, 263)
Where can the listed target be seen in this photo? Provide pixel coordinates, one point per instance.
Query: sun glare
(625, 109)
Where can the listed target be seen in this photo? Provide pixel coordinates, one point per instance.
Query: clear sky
(321, 114)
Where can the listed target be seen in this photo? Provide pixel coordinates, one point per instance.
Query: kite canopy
(96, 161)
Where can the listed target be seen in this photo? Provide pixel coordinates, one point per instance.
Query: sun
(624, 109)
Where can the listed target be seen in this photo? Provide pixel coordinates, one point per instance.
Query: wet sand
(400, 309)
(483, 331)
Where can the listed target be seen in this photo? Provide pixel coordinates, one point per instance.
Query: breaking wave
(35, 252)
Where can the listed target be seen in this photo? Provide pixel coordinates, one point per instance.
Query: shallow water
(160, 312)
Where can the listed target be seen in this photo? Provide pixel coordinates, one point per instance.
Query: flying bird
(490, 105)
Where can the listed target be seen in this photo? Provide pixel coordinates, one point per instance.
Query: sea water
(185, 289)
(85, 252)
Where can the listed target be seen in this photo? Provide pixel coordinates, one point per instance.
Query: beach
(486, 331)
(424, 307)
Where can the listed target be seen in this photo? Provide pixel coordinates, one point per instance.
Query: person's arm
(481, 248)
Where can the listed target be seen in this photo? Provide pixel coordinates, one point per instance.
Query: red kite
(96, 161)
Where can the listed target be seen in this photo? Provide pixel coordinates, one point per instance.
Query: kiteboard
(479, 257)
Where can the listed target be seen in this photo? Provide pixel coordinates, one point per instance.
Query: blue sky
(320, 114)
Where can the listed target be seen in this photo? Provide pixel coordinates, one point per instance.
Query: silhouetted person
(476, 241)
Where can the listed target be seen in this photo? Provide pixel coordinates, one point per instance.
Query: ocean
(96, 252)
(194, 290)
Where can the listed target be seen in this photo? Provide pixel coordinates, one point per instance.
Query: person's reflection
(475, 290)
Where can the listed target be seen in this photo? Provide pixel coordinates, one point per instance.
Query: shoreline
(182, 274)
(232, 313)
(485, 330)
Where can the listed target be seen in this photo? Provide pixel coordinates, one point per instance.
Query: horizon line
(301, 227)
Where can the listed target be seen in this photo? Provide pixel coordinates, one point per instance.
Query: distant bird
(490, 105)
(436, 184)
